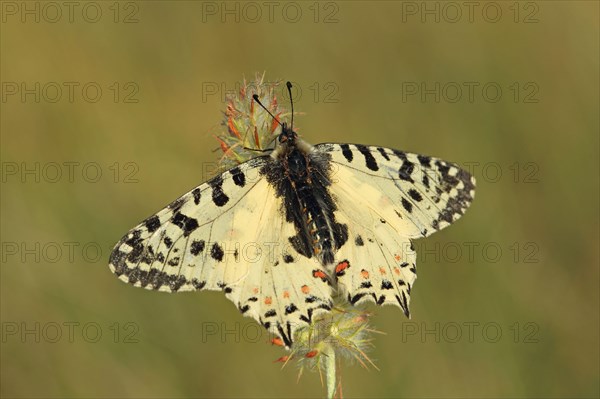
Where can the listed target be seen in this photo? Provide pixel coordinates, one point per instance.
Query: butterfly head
(287, 135)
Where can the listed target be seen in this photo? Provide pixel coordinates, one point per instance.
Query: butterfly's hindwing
(379, 265)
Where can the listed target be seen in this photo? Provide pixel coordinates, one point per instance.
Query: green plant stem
(330, 371)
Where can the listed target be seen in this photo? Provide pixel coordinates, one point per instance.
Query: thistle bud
(247, 130)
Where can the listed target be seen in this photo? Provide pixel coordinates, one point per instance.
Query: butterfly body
(302, 177)
(282, 234)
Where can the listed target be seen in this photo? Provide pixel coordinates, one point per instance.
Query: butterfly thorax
(301, 177)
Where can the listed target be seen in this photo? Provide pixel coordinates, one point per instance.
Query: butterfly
(282, 234)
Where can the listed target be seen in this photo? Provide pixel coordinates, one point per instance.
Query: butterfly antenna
(255, 97)
(289, 87)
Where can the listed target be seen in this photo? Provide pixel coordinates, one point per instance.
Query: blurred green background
(528, 287)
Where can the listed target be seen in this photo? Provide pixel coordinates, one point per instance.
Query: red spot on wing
(382, 270)
(397, 270)
(312, 354)
(268, 300)
(397, 257)
(364, 274)
(282, 359)
(286, 294)
(341, 267)
(319, 274)
(305, 289)
(255, 290)
(277, 341)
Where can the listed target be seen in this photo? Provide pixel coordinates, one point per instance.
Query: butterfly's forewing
(389, 197)
(228, 234)
(417, 194)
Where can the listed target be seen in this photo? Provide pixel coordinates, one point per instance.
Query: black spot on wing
(291, 308)
(185, 223)
(287, 337)
(324, 306)
(424, 160)
(369, 158)
(152, 223)
(168, 242)
(403, 304)
(414, 194)
(196, 193)
(425, 180)
(175, 282)
(218, 196)
(198, 284)
(383, 153)
(238, 177)
(346, 152)
(288, 258)
(196, 247)
(406, 170)
(216, 252)
(407, 205)
(244, 309)
(355, 298)
(359, 241)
